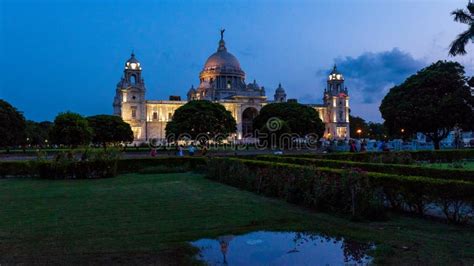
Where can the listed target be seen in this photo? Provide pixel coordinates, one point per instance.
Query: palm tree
(458, 46)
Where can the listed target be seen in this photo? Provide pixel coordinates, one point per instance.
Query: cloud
(370, 75)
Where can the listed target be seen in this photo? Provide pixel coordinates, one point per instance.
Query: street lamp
(359, 131)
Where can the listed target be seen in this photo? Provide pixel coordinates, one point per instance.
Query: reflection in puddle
(282, 248)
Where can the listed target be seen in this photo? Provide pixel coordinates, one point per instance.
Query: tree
(12, 125)
(276, 134)
(458, 46)
(71, 129)
(301, 119)
(38, 133)
(358, 127)
(377, 131)
(200, 117)
(432, 102)
(109, 129)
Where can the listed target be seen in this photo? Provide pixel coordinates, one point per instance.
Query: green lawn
(149, 218)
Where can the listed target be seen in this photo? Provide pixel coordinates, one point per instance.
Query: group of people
(382, 146)
(180, 151)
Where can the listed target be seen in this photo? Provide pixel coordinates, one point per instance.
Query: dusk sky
(69, 55)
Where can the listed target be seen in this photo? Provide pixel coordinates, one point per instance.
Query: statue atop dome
(222, 34)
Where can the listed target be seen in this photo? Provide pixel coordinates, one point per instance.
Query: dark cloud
(370, 75)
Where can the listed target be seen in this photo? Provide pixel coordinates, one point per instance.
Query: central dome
(222, 59)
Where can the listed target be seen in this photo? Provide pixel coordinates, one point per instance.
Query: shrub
(83, 163)
(18, 168)
(346, 191)
(80, 165)
(343, 190)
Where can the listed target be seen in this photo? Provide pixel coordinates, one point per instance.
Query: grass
(149, 219)
(458, 165)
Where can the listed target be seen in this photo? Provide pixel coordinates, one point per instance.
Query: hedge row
(403, 157)
(338, 190)
(398, 169)
(80, 169)
(136, 164)
(18, 168)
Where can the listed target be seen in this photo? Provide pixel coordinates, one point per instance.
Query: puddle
(282, 248)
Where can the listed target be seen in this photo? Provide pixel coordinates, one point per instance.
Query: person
(352, 146)
(384, 146)
(153, 153)
(191, 149)
(363, 146)
(204, 151)
(180, 151)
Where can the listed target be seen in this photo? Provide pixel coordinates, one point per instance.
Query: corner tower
(336, 100)
(129, 102)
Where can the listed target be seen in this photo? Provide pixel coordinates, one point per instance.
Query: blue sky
(69, 55)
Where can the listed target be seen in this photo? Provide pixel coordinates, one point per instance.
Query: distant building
(221, 80)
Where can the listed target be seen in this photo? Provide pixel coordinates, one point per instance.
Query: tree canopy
(38, 133)
(377, 131)
(358, 123)
(71, 129)
(432, 102)
(12, 125)
(301, 119)
(200, 117)
(275, 134)
(109, 129)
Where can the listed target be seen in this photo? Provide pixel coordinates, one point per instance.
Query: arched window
(248, 116)
(133, 80)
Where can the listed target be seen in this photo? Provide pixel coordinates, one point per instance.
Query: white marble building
(221, 80)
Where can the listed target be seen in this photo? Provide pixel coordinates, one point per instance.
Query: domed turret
(280, 94)
(335, 75)
(132, 63)
(191, 93)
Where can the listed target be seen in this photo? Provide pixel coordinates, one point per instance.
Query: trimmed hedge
(77, 169)
(81, 169)
(18, 168)
(134, 165)
(402, 157)
(398, 169)
(318, 187)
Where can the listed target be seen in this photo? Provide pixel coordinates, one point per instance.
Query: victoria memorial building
(221, 80)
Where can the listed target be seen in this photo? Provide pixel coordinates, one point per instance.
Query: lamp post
(359, 132)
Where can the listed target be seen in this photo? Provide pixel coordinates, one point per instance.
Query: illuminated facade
(222, 80)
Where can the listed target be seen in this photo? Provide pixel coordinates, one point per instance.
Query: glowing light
(133, 65)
